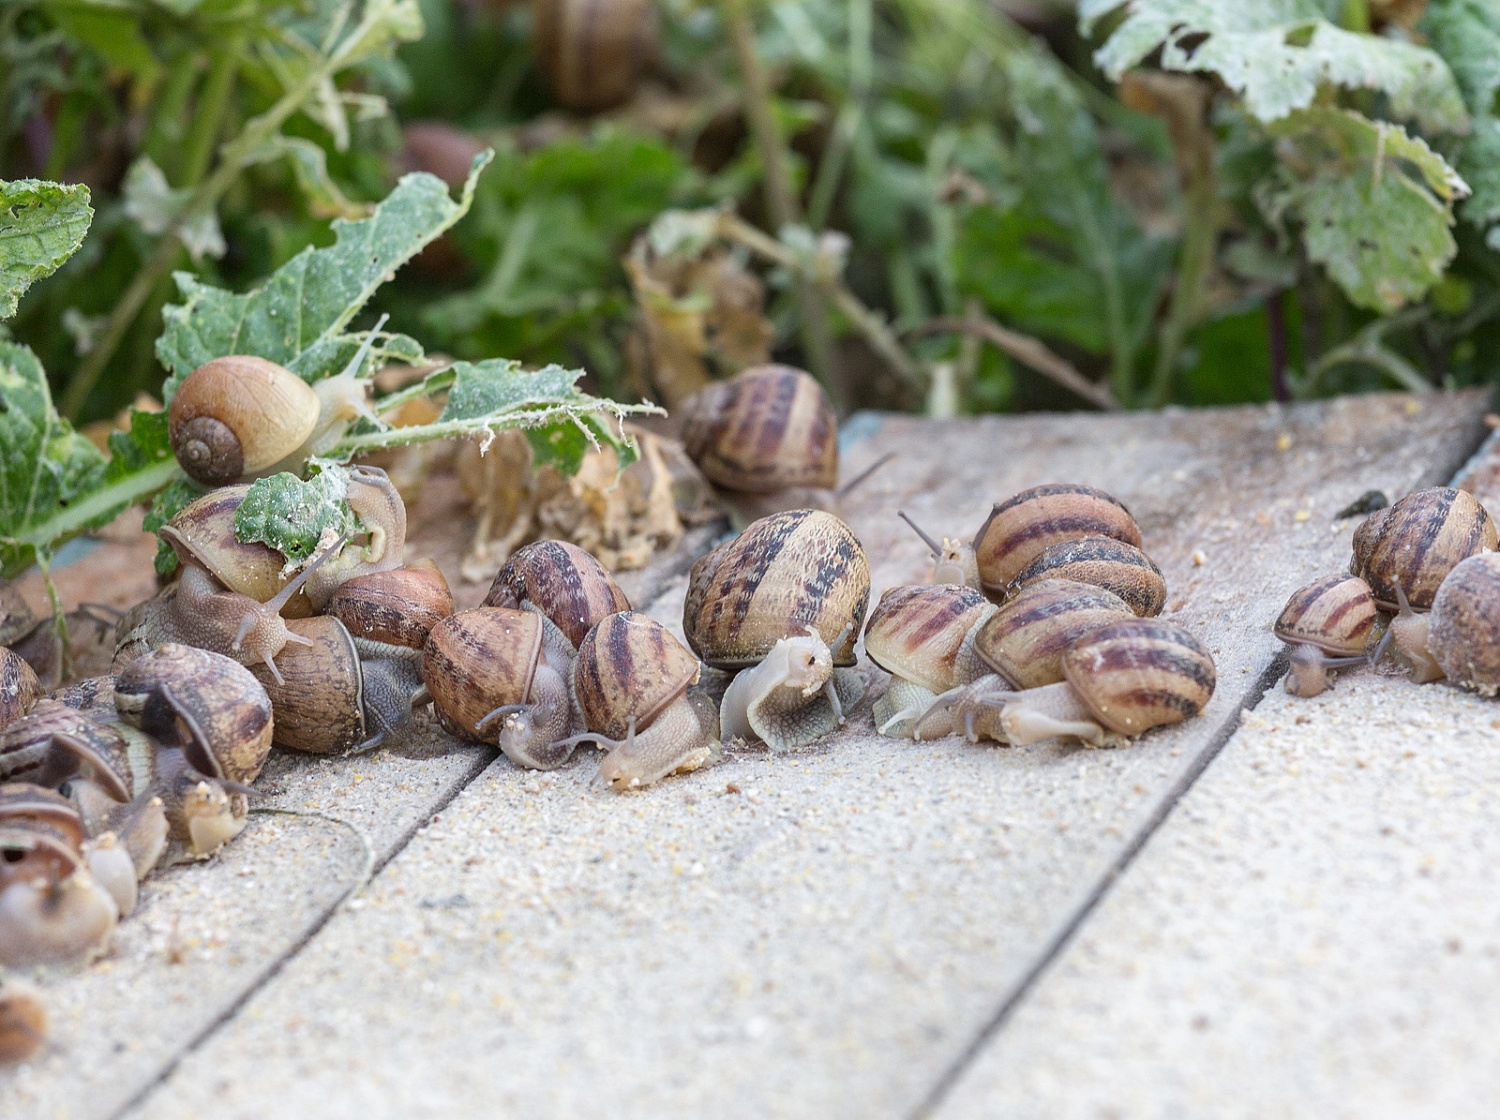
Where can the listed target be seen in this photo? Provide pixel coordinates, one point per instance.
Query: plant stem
(1193, 264)
(1276, 329)
(234, 157)
(118, 495)
(213, 103)
(1030, 352)
(478, 426)
(781, 200)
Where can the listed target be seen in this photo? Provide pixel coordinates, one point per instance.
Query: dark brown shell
(319, 707)
(629, 665)
(208, 704)
(53, 742)
(594, 51)
(237, 415)
(202, 533)
(1417, 541)
(562, 581)
(19, 687)
(918, 632)
(92, 694)
(1335, 613)
(479, 660)
(784, 573)
(767, 429)
(1104, 562)
(1021, 529)
(1141, 673)
(398, 607)
(1025, 640)
(1463, 632)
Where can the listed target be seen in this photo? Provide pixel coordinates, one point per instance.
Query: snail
(16, 617)
(495, 664)
(1103, 562)
(333, 699)
(19, 687)
(382, 515)
(1119, 681)
(632, 680)
(953, 560)
(782, 604)
(564, 583)
(594, 51)
(1457, 638)
(924, 637)
(55, 923)
(1417, 541)
(1326, 624)
(24, 805)
(23, 1022)
(242, 416)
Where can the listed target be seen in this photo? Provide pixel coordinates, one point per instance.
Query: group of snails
(1429, 560)
(105, 777)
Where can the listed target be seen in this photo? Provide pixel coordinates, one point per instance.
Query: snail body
(1326, 624)
(1414, 544)
(632, 681)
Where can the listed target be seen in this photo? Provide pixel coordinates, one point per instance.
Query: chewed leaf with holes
(1376, 211)
(41, 225)
(1276, 53)
(293, 516)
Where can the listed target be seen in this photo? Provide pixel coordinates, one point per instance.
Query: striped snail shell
(1416, 542)
(237, 415)
(1464, 627)
(319, 704)
(562, 581)
(924, 637)
(594, 51)
(1025, 640)
(1021, 529)
(389, 614)
(767, 429)
(1327, 624)
(783, 574)
(202, 533)
(19, 687)
(1104, 562)
(1141, 673)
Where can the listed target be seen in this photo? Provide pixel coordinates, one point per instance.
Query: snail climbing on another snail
(1459, 639)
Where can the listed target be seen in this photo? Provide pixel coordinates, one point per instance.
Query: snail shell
(1021, 529)
(1464, 627)
(561, 580)
(16, 617)
(1335, 614)
(393, 610)
(768, 429)
(924, 637)
(1140, 673)
(1025, 640)
(783, 575)
(594, 51)
(1104, 562)
(238, 415)
(1417, 541)
(630, 666)
(19, 687)
(202, 534)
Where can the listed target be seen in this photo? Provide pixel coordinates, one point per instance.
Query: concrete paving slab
(1315, 930)
(822, 934)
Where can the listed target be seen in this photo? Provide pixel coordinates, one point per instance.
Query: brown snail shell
(565, 583)
(1417, 541)
(202, 534)
(1019, 530)
(1104, 562)
(1140, 673)
(28, 801)
(19, 687)
(783, 575)
(319, 704)
(1026, 638)
(394, 608)
(237, 415)
(1335, 614)
(770, 428)
(629, 666)
(925, 634)
(1464, 627)
(52, 741)
(478, 660)
(594, 51)
(209, 705)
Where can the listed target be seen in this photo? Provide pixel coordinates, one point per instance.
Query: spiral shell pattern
(1335, 613)
(1025, 640)
(629, 665)
(1104, 562)
(924, 634)
(1417, 541)
(768, 429)
(562, 581)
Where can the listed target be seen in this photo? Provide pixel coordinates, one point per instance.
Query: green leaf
(1276, 53)
(298, 317)
(293, 516)
(41, 225)
(1467, 34)
(498, 386)
(164, 507)
(1376, 207)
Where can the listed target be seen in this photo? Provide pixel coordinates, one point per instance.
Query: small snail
(494, 664)
(1417, 541)
(632, 680)
(23, 1022)
(953, 561)
(1021, 529)
(47, 813)
(1104, 562)
(19, 687)
(382, 514)
(1326, 624)
(564, 583)
(1458, 638)
(594, 51)
(16, 617)
(782, 603)
(332, 699)
(924, 637)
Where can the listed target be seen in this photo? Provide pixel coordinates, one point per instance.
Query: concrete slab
(1315, 930)
(823, 934)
